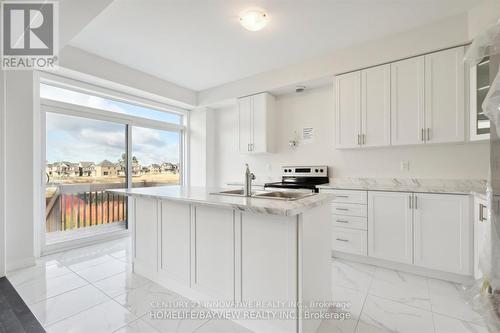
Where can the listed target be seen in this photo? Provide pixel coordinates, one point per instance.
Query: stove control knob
(289, 170)
(321, 170)
(286, 170)
(316, 170)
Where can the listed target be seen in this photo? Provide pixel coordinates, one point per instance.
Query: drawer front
(348, 196)
(354, 222)
(350, 241)
(349, 209)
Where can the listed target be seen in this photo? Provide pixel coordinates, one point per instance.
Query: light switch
(405, 166)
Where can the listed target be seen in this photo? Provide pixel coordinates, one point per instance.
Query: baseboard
(20, 263)
(457, 278)
(74, 244)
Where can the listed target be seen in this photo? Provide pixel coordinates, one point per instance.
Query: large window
(94, 144)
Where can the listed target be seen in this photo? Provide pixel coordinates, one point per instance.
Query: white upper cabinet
(348, 110)
(444, 96)
(390, 226)
(376, 106)
(407, 101)
(256, 123)
(443, 232)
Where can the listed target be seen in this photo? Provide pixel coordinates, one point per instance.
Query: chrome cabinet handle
(342, 240)
(359, 140)
(342, 196)
(481, 213)
(411, 199)
(342, 221)
(343, 209)
(422, 135)
(428, 134)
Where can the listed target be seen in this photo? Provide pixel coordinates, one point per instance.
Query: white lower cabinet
(443, 232)
(349, 240)
(433, 231)
(390, 226)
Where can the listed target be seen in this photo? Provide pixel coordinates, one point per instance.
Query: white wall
(20, 167)
(2, 174)
(315, 108)
(201, 159)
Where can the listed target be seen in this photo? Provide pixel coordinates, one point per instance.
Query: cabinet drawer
(349, 209)
(348, 196)
(354, 222)
(350, 241)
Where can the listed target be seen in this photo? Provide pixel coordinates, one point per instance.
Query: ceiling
(200, 44)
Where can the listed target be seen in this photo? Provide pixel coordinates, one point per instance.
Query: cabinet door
(245, 123)
(175, 240)
(445, 96)
(390, 226)
(376, 106)
(259, 123)
(146, 232)
(348, 109)
(443, 232)
(407, 101)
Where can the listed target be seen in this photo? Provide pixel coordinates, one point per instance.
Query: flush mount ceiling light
(254, 19)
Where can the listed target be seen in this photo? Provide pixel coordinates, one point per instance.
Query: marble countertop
(452, 186)
(203, 196)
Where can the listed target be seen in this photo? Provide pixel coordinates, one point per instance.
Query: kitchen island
(265, 257)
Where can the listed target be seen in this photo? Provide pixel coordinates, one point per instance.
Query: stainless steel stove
(300, 178)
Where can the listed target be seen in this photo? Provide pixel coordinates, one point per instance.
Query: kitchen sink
(280, 195)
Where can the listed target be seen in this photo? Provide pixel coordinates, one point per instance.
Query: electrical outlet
(405, 166)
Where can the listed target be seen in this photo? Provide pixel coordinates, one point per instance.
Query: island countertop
(204, 196)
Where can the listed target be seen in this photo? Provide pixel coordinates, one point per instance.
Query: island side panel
(314, 262)
(174, 248)
(214, 252)
(269, 266)
(145, 238)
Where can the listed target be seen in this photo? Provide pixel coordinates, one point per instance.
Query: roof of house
(155, 166)
(86, 164)
(106, 163)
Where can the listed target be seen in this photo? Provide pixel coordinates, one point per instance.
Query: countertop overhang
(204, 196)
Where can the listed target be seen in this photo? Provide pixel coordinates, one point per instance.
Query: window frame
(53, 106)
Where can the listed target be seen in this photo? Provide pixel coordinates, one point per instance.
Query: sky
(76, 139)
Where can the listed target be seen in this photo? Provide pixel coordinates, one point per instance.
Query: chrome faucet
(247, 190)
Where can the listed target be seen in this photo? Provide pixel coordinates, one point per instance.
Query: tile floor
(92, 289)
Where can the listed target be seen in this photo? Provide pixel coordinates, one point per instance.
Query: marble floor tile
(89, 262)
(352, 275)
(104, 270)
(444, 324)
(47, 269)
(42, 288)
(349, 304)
(382, 315)
(448, 299)
(142, 300)
(138, 326)
(121, 283)
(103, 318)
(222, 326)
(402, 287)
(67, 304)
